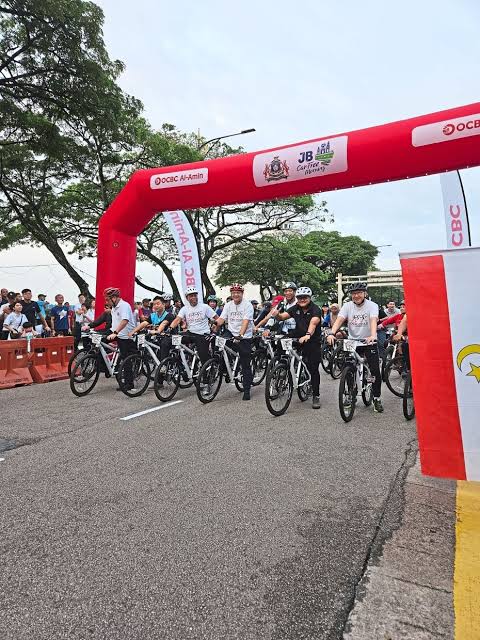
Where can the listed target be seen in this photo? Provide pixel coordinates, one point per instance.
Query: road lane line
(142, 413)
(467, 562)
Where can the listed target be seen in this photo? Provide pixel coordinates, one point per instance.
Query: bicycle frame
(360, 363)
(227, 353)
(182, 350)
(296, 363)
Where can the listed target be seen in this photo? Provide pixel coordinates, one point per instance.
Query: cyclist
(361, 316)
(167, 300)
(238, 314)
(196, 316)
(213, 303)
(307, 316)
(122, 324)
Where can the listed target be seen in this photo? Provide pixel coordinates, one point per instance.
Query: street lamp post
(230, 135)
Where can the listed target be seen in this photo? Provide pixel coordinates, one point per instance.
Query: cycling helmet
(190, 290)
(289, 285)
(212, 299)
(167, 297)
(236, 287)
(110, 292)
(357, 286)
(304, 291)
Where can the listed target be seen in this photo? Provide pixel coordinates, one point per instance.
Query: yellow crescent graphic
(465, 352)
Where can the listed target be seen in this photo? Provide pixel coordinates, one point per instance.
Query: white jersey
(123, 311)
(235, 314)
(358, 318)
(197, 317)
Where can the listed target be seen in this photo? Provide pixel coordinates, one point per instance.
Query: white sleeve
(182, 312)
(209, 312)
(374, 310)
(344, 311)
(225, 312)
(248, 313)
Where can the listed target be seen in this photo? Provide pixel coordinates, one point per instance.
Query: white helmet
(166, 297)
(190, 290)
(304, 291)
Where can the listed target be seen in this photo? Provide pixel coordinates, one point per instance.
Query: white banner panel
(446, 130)
(184, 238)
(308, 160)
(456, 215)
(179, 179)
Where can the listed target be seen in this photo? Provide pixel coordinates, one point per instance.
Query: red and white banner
(441, 293)
(456, 214)
(182, 233)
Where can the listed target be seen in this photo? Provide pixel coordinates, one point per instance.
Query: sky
(295, 71)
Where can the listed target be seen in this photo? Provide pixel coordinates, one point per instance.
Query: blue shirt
(60, 317)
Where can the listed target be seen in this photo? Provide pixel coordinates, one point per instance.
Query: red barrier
(14, 363)
(49, 358)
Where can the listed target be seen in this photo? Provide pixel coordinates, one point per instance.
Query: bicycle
(355, 375)
(394, 372)
(289, 373)
(408, 402)
(225, 363)
(177, 371)
(142, 365)
(85, 369)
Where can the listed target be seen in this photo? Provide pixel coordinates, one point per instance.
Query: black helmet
(357, 286)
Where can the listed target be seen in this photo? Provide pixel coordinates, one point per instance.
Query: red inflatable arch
(432, 143)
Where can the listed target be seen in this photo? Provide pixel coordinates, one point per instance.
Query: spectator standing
(90, 315)
(43, 304)
(33, 313)
(13, 323)
(59, 320)
(145, 310)
(3, 297)
(80, 311)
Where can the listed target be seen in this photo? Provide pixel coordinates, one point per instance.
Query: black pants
(127, 347)
(77, 334)
(370, 352)
(200, 342)
(245, 353)
(312, 353)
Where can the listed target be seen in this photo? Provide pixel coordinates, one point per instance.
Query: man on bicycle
(122, 324)
(196, 317)
(307, 316)
(238, 314)
(361, 316)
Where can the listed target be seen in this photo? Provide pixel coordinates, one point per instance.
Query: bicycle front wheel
(395, 378)
(259, 366)
(304, 389)
(337, 362)
(136, 370)
(347, 394)
(278, 389)
(326, 358)
(84, 374)
(408, 403)
(167, 379)
(209, 380)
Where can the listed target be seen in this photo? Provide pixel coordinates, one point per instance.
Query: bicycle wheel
(304, 389)
(185, 381)
(347, 394)
(338, 362)
(408, 403)
(367, 388)
(395, 378)
(140, 374)
(326, 358)
(167, 379)
(278, 389)
(73, 358)
(209, 380)
(387, 359)
(84, 375)
(259, 366)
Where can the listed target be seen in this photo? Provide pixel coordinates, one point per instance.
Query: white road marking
(142, 413)
(2, 459)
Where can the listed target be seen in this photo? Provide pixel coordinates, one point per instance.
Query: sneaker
(316, 402)
(377, 405)
(246, 394)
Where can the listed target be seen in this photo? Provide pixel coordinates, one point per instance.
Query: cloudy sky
(297, 71)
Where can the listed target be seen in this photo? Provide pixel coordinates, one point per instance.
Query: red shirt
(396, 319)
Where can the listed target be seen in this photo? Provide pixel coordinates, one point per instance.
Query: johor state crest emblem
(276, 170)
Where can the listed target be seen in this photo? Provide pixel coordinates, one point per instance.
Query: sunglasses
(302, 297)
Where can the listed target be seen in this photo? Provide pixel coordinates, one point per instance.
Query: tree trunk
(207, 283)
(166, 270)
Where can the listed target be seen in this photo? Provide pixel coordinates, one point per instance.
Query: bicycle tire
(338, 362)
(279, 382)
(209, 380)
(347, 390)
(85, 374)
(259, 366)
(394, 382)
(139, 364)
(167, 379)
(304, 391)
(367, 389)
(326, 358)
(75, 354)
(408, 401)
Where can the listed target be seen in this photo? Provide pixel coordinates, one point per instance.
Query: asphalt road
(206, 522)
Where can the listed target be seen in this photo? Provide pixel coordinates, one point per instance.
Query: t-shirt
(157, 319)
(196, 317)
(15, 320)
(302, 317)
(60, 317)
(289, 324)
(123, 311)
(42, 306)
(358, 318)
(79, 316)
(235, 314)
(32, 311)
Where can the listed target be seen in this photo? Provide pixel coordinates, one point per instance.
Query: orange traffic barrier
(49, 358)
(14, 363)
